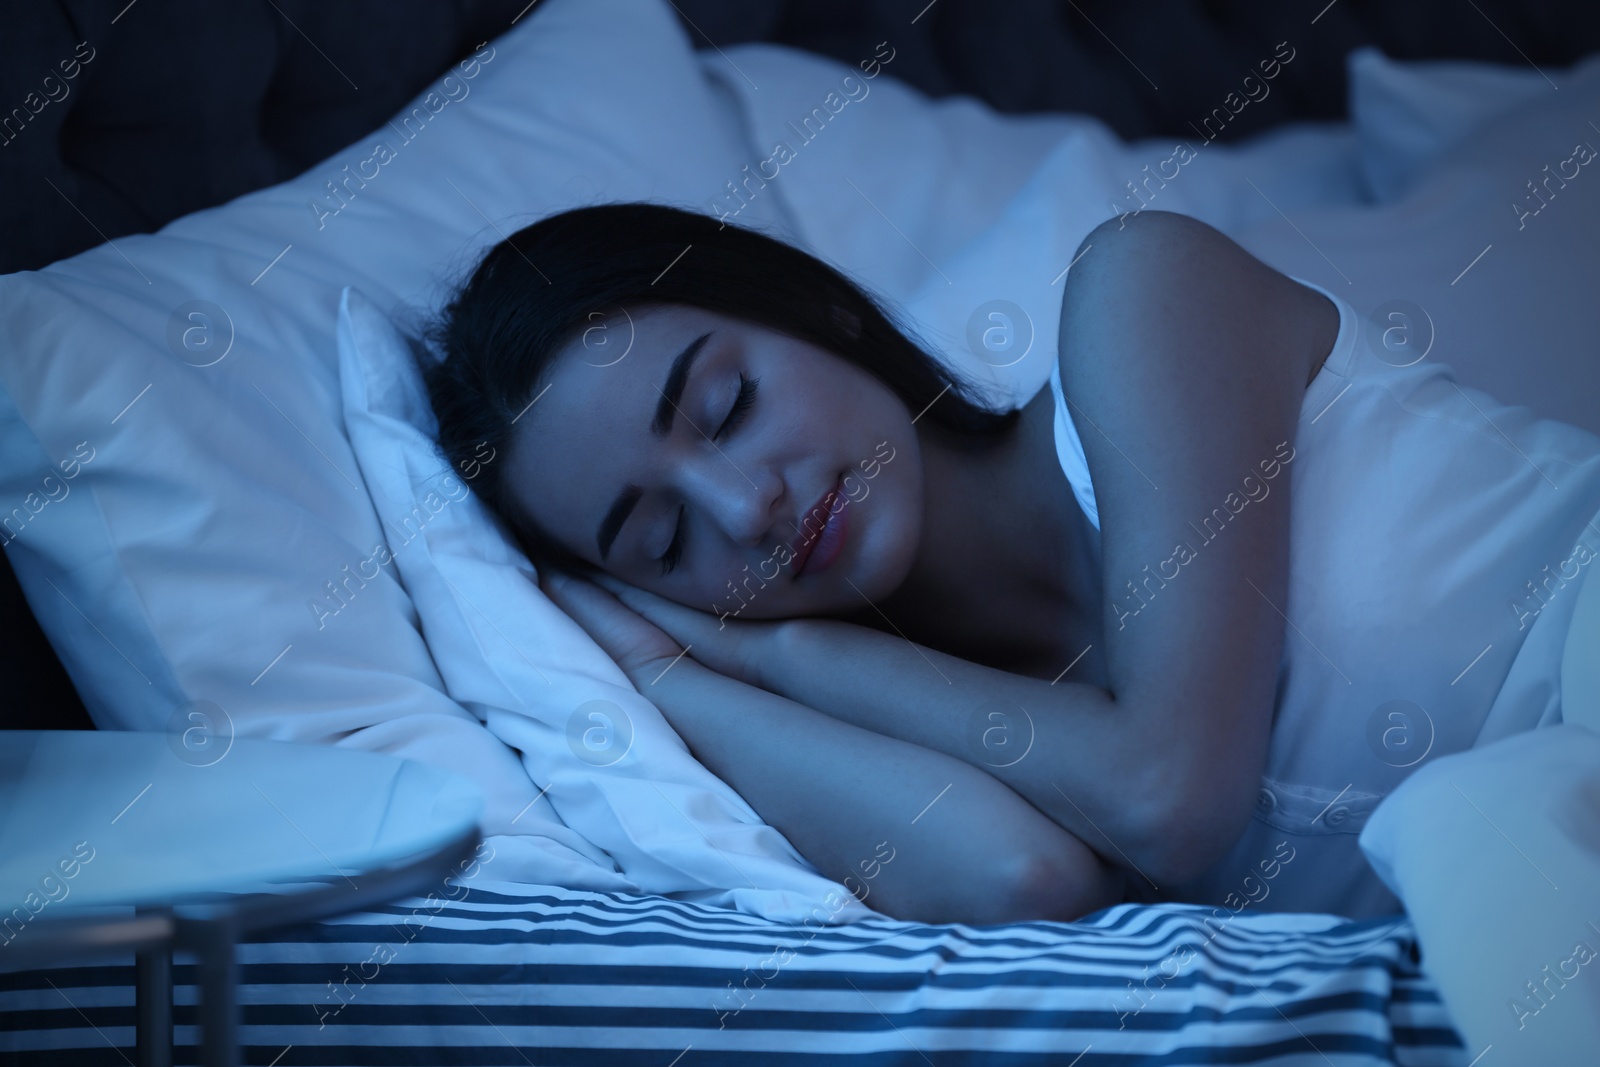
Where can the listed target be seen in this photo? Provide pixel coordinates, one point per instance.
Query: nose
(740, 498)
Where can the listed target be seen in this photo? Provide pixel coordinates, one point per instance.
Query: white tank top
(1437, 539)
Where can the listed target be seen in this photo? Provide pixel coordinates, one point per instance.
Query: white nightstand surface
(106, 818)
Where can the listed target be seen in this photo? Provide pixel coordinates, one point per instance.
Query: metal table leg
(154, 1004)
(211, 937)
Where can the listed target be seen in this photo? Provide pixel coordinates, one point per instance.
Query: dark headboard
(120, 116)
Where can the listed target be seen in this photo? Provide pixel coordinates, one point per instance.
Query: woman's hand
(637, 645)
(732, 647)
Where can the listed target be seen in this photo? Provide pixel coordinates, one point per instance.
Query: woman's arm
(961, 846)
(1186, 360)
(915, 834)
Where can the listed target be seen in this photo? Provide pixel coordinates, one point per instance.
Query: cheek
(887, 516)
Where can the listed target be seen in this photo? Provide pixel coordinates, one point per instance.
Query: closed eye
(674, 552)
(741, 405)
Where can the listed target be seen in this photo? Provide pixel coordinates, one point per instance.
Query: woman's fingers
(684, 623)
(726, 645)
(667, 614)
(627, 637)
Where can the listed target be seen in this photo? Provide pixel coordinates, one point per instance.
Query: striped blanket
(537, 975)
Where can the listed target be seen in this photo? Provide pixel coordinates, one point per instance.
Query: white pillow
(964, 219)
(881, 180)
(1409, 112)
(170, 414)
(947, 208)
(1495, 853)
(614, 769)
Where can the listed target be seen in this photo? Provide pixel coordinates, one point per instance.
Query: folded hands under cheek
(631, 640)
(642, 631)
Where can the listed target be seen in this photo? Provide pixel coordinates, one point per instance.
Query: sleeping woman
(1168, 630)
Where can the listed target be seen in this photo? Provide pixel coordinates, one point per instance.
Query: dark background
(188, 104)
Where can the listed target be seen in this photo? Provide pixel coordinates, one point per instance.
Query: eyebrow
(660, 426)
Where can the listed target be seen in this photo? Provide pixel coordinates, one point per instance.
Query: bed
(231, 503)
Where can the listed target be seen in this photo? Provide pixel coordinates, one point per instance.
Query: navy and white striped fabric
(519, 974)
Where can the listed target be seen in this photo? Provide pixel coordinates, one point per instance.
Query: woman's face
(776, 479)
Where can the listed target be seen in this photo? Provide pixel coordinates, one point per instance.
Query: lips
(809, 538)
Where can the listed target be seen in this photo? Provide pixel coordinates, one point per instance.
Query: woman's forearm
(1066, 748)
(915, 833)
